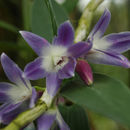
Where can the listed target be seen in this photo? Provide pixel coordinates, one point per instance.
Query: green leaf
(8, 26)
(107, 96)
(59, 12)
(75, 116)
(41, 20)
(52, 16)
(69, 5)
(113, 71)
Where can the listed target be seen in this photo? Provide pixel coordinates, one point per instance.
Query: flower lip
(55, 58)
(60, 62)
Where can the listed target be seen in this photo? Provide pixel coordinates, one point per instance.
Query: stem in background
(84, 25)
(26, 12)
(27, 117)
(53, 20)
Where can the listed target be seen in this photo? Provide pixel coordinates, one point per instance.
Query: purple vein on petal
(109, 58)
(34, 69)
(36, 42)
(13, 72)
(118, 42)
(77, 50)
(65, 35)
(101, 25)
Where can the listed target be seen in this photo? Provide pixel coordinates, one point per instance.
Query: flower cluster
(55, 62)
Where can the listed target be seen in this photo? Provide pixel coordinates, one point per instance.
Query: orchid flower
(56, 61)
(46, 121)
(108, 49)
(14, 96)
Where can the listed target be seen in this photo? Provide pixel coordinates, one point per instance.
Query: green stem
(26, 12)
(85, 21)
(26, 117)
(39, 88)
(53, 20)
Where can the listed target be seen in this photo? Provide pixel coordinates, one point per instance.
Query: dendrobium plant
(108, 49)
(56, 61)
(15, 97)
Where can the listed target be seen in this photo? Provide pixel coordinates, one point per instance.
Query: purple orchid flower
(14, 97)
(108, 49)
(46, 121)
(56, 61)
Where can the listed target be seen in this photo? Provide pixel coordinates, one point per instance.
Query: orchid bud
(84, 71)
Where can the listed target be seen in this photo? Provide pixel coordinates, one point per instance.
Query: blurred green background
(16, 15)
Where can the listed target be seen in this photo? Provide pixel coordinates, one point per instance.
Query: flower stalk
(85, 21)
(26, 117)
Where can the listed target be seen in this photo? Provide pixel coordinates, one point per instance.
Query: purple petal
(68, 70)
(7, 108)
(12, 111)
(77, 50)
(118, 42)
(65, 35)
(36, 42)
(61, 123)
(4, 97)
(101, 25)
(46, 120)
(33, 98)
(4, 88)
(53, 84)
(109, 58)
(34, 70)
(13, 72)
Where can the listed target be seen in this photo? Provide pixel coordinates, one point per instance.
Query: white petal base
(47, 98)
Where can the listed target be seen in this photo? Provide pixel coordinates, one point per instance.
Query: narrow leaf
(53, 20)
(69, 5)
(8, 26)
